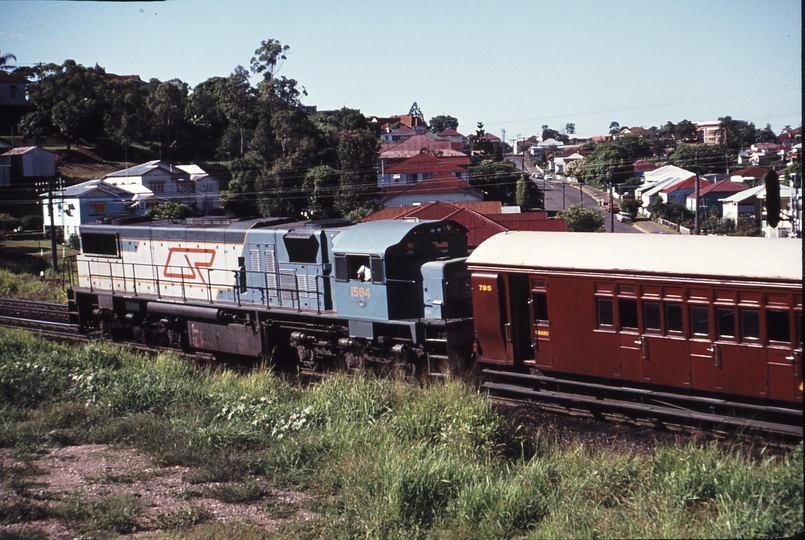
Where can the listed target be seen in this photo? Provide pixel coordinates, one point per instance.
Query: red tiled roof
(442, 183)
(725, 186)
(449, 132)
(643, 165)
(424, 163)
(688, 183)
(414, 145)
(9, 79)
(751, 172)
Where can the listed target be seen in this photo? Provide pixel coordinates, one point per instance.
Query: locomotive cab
(379, 274)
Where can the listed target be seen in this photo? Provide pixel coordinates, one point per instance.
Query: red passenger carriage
(710, 315)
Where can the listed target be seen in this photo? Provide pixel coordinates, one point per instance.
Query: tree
(70, 97)
(497, 179)
(527, 195)
(170, 210)
(443, 122)
(167, 102)
(206, 117)
(480, 143)
(766, 135)
(4, 61)
(736, 134)
(703, 156)
(357, 154)
(580, 219)
(631, 206)
(570, 128)
(614, 127)
(321, 184)
(614, 160)
(126, 117)
(686, 131)
(237, 103)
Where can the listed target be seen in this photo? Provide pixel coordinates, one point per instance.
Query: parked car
(624, 218)
(613, 208)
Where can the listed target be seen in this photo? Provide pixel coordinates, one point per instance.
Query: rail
(208, 285)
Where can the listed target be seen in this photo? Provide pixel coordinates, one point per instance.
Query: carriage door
(740, 357)
(541, 324)
(492, 327)
(785, 368)
(665, 347)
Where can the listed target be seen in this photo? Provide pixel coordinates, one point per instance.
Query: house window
(157, 187)
(97, 209)
(13, 88)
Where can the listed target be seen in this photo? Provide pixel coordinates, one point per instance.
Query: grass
(21, 262)
(374, 458)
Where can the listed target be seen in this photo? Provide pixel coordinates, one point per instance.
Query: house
(449, 159)
(709, 132)
(418, 168)
(23, 172)
(711, 196)
(90, 201)
(789, 216)
(13, 91)
(441, 187)
(751, 176)
(679, 191)
(187, 184)
(562, 159)
(537, 149)
(641, 167)
(459, 141)
(396, 135)
(657, 180)
(744, 205)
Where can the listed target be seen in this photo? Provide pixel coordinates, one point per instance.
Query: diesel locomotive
(709, 315)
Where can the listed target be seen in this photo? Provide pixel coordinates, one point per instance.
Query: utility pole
(696, 166)
(611, 212)
(52, 226)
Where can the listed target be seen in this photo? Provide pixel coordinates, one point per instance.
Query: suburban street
(561, 194)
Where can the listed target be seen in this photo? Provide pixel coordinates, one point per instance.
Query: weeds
(381, 458)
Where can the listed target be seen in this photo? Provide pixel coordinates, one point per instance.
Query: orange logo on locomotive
(186, 263)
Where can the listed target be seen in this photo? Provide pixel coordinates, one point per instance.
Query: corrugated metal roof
(677, 255)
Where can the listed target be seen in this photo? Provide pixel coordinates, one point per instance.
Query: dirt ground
(97, 472)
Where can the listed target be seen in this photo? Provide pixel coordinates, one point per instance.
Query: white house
(90, 201)
(188, 184)
(657, 180)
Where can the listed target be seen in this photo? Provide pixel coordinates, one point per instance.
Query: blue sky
(514, 66)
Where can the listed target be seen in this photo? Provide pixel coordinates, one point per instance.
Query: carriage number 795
(484, 288)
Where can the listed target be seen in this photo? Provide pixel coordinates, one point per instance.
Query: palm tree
(4, 59)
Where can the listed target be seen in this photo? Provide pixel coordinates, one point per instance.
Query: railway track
(650, 407)
(665, 410)
(48, 319)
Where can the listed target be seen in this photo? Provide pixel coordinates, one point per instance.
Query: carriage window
(750, 324)
(725, 318)
(539, 305)
(700, 320)
(627, 311)
(605, 317)
(673, 318)
(651, 316)
(777, 328)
